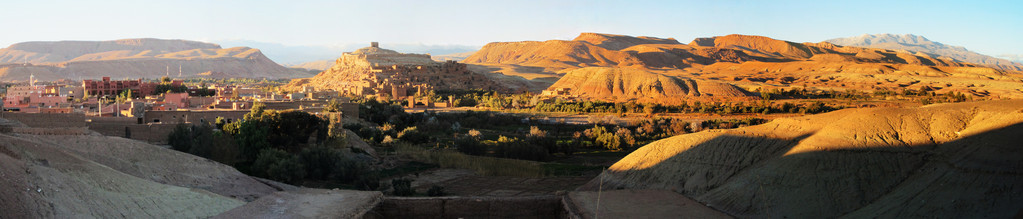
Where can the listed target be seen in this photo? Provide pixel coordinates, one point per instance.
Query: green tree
(278, 165)
(320, 161)
(180, 138)
(220, 122)
(202, 141)
(251, 138)
(649, 108)
(334, 105)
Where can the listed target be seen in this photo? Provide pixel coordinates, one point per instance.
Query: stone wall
(470, 207)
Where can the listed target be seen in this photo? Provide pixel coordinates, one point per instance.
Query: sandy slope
(42, 180)
(944, 160)
(94, 176)
(60, 176)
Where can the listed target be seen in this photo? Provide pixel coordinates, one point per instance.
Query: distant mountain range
(914, 43)
(136, 58)
(625, 68)
(298, 56)
(1018, 58)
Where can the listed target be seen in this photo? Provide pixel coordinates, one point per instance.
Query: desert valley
(605, 125)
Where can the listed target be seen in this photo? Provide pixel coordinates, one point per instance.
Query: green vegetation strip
(487, 166)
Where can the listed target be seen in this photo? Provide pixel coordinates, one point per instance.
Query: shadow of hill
(758, 176)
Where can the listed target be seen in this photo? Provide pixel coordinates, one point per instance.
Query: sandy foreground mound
(62, 176)
(308, 203)
(41, 179)
(947, 160)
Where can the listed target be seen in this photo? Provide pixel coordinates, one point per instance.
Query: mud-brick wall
(470, 207)
(129, 128)
(47, 120)
(47, 131)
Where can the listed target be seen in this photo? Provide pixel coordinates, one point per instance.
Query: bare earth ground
(636, 204)
(308, 203)
(460, 182)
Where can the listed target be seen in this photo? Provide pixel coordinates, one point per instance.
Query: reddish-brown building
(108, 87)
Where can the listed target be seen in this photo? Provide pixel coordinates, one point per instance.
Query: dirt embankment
(71, 176)
(948, 160)
(45, 180)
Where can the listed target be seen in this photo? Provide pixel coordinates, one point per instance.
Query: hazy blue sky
(990, 27)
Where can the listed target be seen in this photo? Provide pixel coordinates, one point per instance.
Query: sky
(988, 27)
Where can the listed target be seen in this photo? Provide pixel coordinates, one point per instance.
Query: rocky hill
(552, 54)
(945, 160)
(914, 43)
(135, 58)
(618, 42)
(628, 84)
(377, 71)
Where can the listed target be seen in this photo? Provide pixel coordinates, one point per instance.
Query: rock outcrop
(135, 58)
(943, 160)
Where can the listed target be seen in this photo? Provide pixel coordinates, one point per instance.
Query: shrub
(402, 187)
(518, 149)
(538, 137)
(475, 133)
(487, 166)
(348, 170)
(413, 135)
(470, 145)
(610, 141)
(368, 182)
(435, 191)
